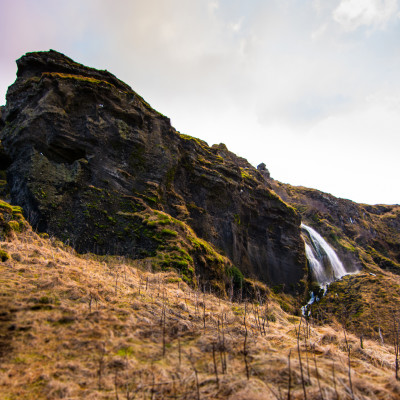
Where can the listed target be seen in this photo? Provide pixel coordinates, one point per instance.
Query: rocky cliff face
(93, 164)
(363, 235)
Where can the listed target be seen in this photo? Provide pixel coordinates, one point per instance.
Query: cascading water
(324, 262)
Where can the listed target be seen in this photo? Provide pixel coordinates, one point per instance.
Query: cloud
(352, 14)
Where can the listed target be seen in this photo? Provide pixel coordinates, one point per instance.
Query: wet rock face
(88, 153)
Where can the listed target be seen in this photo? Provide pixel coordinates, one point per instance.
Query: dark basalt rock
(2, 123)
(88, 154)
(264, 171)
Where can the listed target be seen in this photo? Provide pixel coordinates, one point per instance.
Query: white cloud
(351, 14)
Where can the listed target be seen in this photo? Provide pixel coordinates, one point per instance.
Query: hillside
(91, 327)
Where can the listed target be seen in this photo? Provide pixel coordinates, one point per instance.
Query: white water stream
(324, 262)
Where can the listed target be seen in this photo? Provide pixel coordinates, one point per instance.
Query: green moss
(203, 161)
(172, 261)
(159, 222)
(112, 219)
(169, 232)
(347, 245)
(41, 194)
(193, 206)
(300, 208)
(236, 218)
(151, 200)
(174, 280)
(11, 219)
(4, 256)
(199, 142)
(125, 352)
(244, 173)
(383, 261)
(238, 310)
(206, 247)
(16, 226)
(9, 208)
(185, 255)
(236, 274)
(80, 78)
(284, 306)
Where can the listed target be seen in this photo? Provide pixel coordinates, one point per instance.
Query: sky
(309, 87)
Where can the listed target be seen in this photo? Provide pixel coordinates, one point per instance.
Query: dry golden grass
(75, 328)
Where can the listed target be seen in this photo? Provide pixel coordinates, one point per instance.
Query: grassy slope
(366, 304)
(72, 327)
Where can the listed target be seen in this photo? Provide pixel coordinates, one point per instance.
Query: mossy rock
(4, 256)
(16, 226)
(11, 220)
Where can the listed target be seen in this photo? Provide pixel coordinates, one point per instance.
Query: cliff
(91, 163)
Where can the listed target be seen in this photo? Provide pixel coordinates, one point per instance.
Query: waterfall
(324, 262)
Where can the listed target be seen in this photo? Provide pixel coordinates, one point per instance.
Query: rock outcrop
(93, 164)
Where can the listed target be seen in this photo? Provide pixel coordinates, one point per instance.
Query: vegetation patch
(4, 256)
(75, 77)
(169, 232)
(11, 220)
